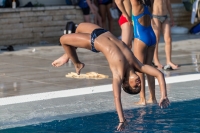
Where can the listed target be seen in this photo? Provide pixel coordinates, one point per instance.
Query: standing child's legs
(151, 79)
(97, 18)
(102, 10)
(87, 18)
(86, 14)
(168, 43)
(110, 19)
(140, 51)
(105, 12)
(156, 25)
(145, 55)
(127, 34)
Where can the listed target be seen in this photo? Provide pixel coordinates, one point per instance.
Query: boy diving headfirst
(122, 62)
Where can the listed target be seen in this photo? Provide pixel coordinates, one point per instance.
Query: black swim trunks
(86, 11)
(94, 35)
(105, 2)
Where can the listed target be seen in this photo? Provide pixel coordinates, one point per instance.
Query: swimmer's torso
(137, 9)
(141, 17)
(160, 7)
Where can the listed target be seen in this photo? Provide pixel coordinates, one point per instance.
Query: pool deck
(27, 72)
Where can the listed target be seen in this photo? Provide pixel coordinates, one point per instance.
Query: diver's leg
(69, 42)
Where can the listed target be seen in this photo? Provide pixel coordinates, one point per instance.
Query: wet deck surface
(28, 70)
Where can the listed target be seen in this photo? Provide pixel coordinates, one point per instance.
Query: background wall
(39, 24)
(45, 2)
(36, 25)
(176, 1)
(46, 24)
(63, 2)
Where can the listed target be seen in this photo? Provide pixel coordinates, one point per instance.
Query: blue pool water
(179, 117)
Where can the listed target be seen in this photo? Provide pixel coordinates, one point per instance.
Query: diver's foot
(152, 101)
(60, 61)
(78, 67)
(140, 103)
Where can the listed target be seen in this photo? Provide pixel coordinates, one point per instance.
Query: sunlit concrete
(28, 70)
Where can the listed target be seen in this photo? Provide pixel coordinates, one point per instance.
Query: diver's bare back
(106, 43)
(160, 7)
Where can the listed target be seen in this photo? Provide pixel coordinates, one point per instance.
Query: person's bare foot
(174, 66)
(78, 67)
(60, 61)
(141, 102)
(158, 65)
(152, 101)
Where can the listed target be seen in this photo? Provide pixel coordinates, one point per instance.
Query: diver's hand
(122, 125)
(164, 102)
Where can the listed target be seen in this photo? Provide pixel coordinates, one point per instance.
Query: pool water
(179, 117)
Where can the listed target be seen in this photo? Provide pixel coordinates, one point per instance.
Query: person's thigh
(140, 50)
(86, 14)
(78, 40)
(87, 18)
(166, 28)
(108, 6)
(86, 11)
(150, 54)
(102, 10)
(95, 8)
(127, 34)
(156, 25)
